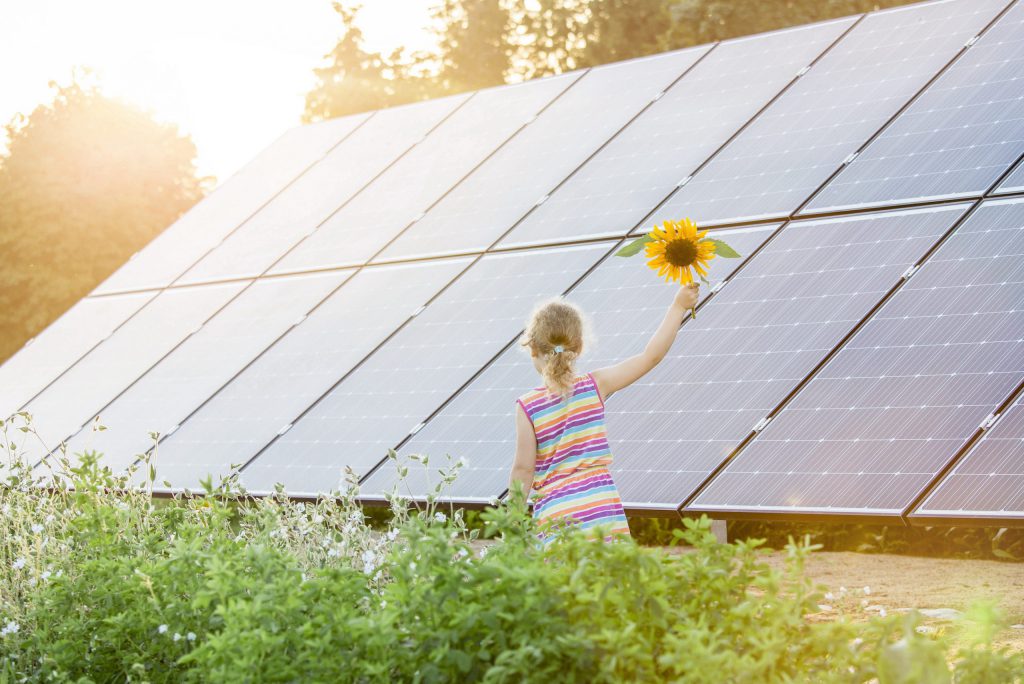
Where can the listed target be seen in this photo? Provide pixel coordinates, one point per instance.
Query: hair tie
(559, 349)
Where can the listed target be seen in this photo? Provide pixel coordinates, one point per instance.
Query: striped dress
(571, 480)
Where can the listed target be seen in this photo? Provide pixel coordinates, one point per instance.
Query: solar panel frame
(521, 175)
(44, 358)
(955, 140)
(266, 396)
(613, 191)
(994, 462)
(204, 362)
(1014, 182)
(950, 426)
(347, 171)
(488, 120)
(624, 302)
(414, 372)
(127, 353)
(756, 176)
(229, 205)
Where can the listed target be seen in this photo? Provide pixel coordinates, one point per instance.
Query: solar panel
(615, 189)
(423, 175)
(988, 482)
(105, 371)
(63, 342)
(411, 375)
(804, 136)
(892, 407)
(174, 250)
(485, 205)
(625, 301)
(244, 416)
(953, 141)
(300, 208)
(1014, 182)
(754, 342)
(204, 362)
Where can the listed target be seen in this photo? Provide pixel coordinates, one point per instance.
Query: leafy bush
(100, 582)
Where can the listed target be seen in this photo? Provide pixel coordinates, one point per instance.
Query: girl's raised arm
(611, 379)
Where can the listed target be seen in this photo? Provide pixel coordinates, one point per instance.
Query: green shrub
(100, 583)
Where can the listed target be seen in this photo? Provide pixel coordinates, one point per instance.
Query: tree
(355, 80)
(474, 44)
(87, 181)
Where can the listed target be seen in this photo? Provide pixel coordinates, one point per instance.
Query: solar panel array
(361, 285)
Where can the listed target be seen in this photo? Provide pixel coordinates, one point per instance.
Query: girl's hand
(687, 296)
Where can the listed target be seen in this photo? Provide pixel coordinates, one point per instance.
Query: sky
(231, 73)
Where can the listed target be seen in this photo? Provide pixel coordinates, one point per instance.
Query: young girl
(562, 453)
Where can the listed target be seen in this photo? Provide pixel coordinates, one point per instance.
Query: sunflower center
(681, 252)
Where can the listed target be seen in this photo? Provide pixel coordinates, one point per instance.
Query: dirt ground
(897, 583)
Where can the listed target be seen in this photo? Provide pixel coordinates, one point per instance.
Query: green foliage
(105, 584)
(87, 181)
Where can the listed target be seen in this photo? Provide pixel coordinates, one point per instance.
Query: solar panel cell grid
(423, 175)
(955, 140)
(246, 414)
(416, 371)
(173, 251)
(804, 136)
(300, 208)
(625, 301)
(988, 482)
(61, 344)
(190, 374)
(896, 403)
(121, 358)
(613, 191)
(543, 154)
(1014, 182)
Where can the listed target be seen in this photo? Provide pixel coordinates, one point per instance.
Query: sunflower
(677, 247)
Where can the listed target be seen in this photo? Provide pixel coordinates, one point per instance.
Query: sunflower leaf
(633, 247)
(722, 249)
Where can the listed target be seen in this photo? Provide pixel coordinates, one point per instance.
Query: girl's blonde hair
(557, 324)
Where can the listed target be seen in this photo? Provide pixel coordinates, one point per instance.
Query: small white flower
(46, 575)
(191, 636)
(36, 528)
(19, 563)
(333, 553)
(493, 501)
(177, 637)
(162, 629)
(463, 461)
(462, 553)
(842, 590)
(857, 642)
(864, 602)
(369, 556)
(392, 535)
(440, 517)
(412, 566)
(49, 518)
(881, 612)
(829, 596)
(867, 591)
(10, 628)
(368, 568)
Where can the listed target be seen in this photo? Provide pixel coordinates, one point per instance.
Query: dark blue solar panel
(248, 412)
(626, 302)
(423, 175)
(989, 481)
(485, 205)
(61, 344)
(174, 250)
(411, 375)
(613, 191)
(953, 141)
(186, 377)
(300, 208)
(885, 415)
(804, 136)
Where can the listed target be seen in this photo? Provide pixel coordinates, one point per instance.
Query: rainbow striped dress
(571, 480)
